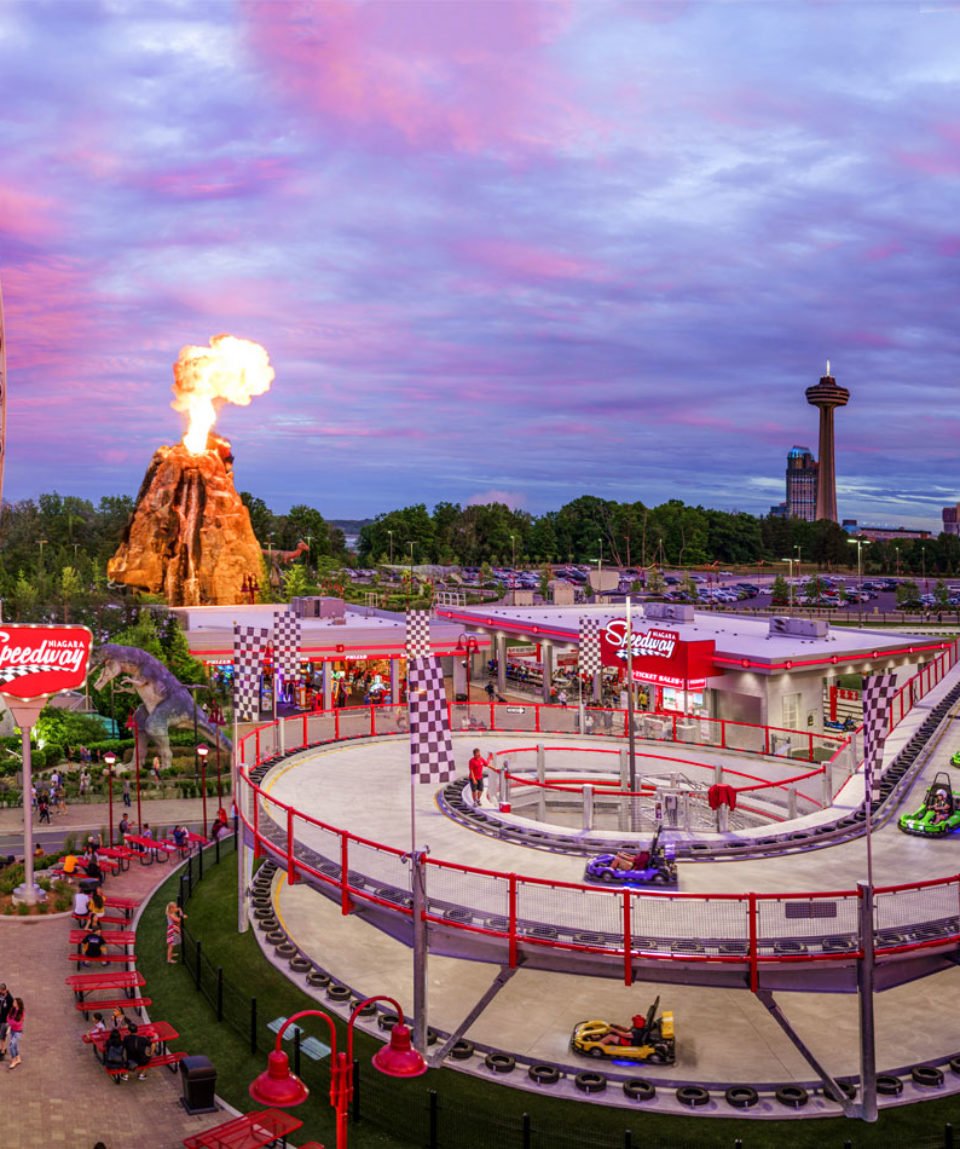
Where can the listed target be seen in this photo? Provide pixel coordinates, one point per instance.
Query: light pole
(897, 552)
(278, 1088)
(110, 760)
(799, 567)
(410, 545)
(215, 718)
(859, 544)
(203, 750)
(923, 560)
(469, 646)
(790, 568)
(132, 725)
(390, 533)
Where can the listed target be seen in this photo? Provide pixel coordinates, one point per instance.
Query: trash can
(199, 1079)
(89, 885)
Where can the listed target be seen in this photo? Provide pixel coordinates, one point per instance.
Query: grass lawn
(469, 1113)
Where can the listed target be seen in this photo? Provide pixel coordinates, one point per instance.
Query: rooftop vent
(799, 627)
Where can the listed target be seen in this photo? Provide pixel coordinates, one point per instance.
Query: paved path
(59, 1096)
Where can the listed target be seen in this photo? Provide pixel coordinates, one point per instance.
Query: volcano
(190, 537)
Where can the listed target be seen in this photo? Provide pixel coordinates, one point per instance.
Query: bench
(137, 1003)
(127, 905)
(102, 959)
(169, 1059)
(251, 1131)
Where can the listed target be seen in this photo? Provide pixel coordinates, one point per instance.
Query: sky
(507, 250)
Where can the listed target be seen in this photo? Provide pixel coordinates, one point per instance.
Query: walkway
(59, 1096)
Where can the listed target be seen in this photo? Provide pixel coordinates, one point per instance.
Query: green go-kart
(940, 813)
(955, 760)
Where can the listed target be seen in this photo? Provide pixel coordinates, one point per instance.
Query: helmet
(639, 1021)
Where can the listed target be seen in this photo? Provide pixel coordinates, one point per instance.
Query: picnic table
(125, 938)
(251, 1131)
(84, 983)
(161, 1031)
(125, 905)
(149, 849)
(119, 854)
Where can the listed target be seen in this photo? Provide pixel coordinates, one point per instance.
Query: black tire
(793, 1096)
(500, 1062)
(597, 1052)
(387, 1021)
(544, 1074)
(590, 1082)
(462, 1050)
(928, 1075)
(607, 876)
(637, 1089)
(693, 1096)
(742, 1096)
(889, 1086)
(955, 1064)
(847, 1088)
(338, 993)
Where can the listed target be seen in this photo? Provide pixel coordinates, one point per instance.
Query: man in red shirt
(477, 765)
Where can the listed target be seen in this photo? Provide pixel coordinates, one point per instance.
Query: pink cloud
(27, 217)
(528, 261)
(425, 74)
(511, 499)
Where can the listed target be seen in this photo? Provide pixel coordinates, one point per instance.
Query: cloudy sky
(505, 249)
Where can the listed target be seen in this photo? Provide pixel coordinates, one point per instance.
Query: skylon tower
(827, 395)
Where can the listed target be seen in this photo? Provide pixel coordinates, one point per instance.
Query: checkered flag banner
(286, 643)
(879, 690)
(589, 645)
(9, 673)
(418, 634)
(431, 748)
(248, 646)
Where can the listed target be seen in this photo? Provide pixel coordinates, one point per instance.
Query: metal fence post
(628, 1139)
(948, 1136)
(197, 974)
(253, 1025)
(199, 863)
(220, 993)
(434, 1119)
(526, 1134)
(356, 1090)
(216, 849)
(190, 876)
(296, 1050)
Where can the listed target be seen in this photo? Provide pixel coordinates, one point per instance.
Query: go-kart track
(340, 815)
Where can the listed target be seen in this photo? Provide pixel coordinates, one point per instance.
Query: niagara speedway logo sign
(659, 643)
(36, 661)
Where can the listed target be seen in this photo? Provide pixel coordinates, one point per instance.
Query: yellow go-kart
(648, 1039)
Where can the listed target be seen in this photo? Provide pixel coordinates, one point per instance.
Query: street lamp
(203, 750)
(923, 560)
(790, 568)
(132, 725)
(110, 759)
(469, 646)
(390, 533)
(278, 1088)
(897, 551)
(410, 545)
(215, 718)
(859, 544)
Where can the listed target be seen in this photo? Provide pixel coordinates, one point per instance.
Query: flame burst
(230, 370)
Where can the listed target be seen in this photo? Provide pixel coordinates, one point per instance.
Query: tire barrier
(847, 1089)
(589, 939)
(928, 1075)
(838, 945)
(462, 1050)
(548, 933)
(300, 964)
(785, 947)
(457, 914)
(741, 1096)
(955, 1064)
(888, 1085)
(268, 924)
(590, 1082)
(275, 937)
(340, 993)
(318, 979)
(286, 950)
(387, 1021)
(500, 1062)
(693, 1096)
(263, 912)
(686, 946)
(368, 1009)
(544, 1074)
(637, 1089)
(793, 1096)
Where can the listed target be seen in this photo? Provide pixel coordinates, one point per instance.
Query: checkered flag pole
(248, 647)
(879, 690)
(418, 634)
(589, 656)
(286, 643)
(431, 748)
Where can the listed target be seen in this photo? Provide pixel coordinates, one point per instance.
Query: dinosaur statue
(164, 701)
(274, 558)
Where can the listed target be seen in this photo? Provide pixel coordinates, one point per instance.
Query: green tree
(907, 591)
(261, 517)
(24, 602)
(779, 592)
(941, 595)
(295, 582)
(71, 589)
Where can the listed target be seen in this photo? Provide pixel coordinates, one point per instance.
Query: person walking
(127, 798)
(175, 917)
(43, 805)
(476, 767)
(156, 769)
(15, 1029)
(6, 1004)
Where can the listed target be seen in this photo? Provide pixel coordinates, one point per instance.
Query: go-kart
(940, 813)
(955, 760)
(654, 867)
(649, 1039)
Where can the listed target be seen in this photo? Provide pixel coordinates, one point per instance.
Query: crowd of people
(12, 1014)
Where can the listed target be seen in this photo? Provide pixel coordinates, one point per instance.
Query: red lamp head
(399, 1058)
(277, 1087)
(203, 750)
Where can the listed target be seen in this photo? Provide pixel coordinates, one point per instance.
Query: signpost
(35, 663)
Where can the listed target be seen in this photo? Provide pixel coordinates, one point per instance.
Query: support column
(395, 681)
(865, 980)
(420, 950)
(500, 645)
(327, 671)
(546, 657)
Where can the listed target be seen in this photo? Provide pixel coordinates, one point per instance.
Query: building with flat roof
(884, 534)
(802, 473)
(951, 520)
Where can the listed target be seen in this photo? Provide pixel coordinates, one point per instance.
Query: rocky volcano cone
(190, 537)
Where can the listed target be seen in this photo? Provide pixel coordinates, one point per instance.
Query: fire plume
(230, 370)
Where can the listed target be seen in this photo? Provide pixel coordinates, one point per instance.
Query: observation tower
(827, 395)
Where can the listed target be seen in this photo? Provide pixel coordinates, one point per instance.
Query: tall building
(951, 520)
(827, 395)
(801, 484)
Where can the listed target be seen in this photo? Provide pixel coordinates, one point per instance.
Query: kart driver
(619, 1035)
(941, 807)
(627, 860)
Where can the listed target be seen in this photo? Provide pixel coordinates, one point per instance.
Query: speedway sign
(37, 661)
(658, 656)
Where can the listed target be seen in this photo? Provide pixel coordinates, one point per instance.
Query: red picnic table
(149, 849)
(119, 854)
(161, 1031)
(128, 980)
(125, 938)
(125, 905)
(251, 1131)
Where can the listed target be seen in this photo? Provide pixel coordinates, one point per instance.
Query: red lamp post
(278, 1088)
(110, 759)
(469, 646)
(202, 751)
(216, 718)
